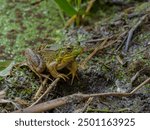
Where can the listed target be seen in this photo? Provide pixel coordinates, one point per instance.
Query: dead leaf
(5, 72)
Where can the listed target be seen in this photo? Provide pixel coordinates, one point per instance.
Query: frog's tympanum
(53, 59)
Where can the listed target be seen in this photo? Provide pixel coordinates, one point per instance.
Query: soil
(111, 69)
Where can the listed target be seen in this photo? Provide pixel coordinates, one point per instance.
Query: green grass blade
(66, 7)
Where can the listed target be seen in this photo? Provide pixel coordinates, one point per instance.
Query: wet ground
(111, 69)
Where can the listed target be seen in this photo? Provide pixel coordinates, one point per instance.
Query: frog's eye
(69, 48)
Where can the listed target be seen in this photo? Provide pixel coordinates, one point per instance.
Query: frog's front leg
(52, 68)
(72, 67)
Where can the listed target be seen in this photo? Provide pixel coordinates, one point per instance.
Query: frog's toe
(74, 74)
(63, 76)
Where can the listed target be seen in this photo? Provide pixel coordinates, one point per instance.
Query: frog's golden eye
(69, 48)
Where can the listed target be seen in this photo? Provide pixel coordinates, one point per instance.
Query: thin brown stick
(86, 105)
(132, 30)
(93, 53)
(41, 107)
(140, 86)
(120, 60)
(40, 88)
(103, 45)
(90, 4)
(134, 77)
(4, 101)
(47, 91)
(70, 21)
(95, 40)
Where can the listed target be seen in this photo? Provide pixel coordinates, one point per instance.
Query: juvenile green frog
(53, 59)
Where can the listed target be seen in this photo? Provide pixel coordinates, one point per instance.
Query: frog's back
(48, 55)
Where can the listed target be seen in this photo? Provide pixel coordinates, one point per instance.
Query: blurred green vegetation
(23, 25)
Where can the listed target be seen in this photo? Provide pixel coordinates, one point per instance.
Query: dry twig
(132, 30)
(103, 45)
(41, 107)
(90, 5)
(47, 91)
(85, 106)
(93, 53)
(4, 101)
(40, 88)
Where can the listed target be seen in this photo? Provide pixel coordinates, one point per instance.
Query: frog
(53, 59)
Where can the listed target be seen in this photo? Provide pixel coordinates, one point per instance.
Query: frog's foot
(63, 76)
(46, 76)
(73, 76)
(73, 69)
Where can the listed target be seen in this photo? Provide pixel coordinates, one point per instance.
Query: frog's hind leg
(73, 69)
(52, 68)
